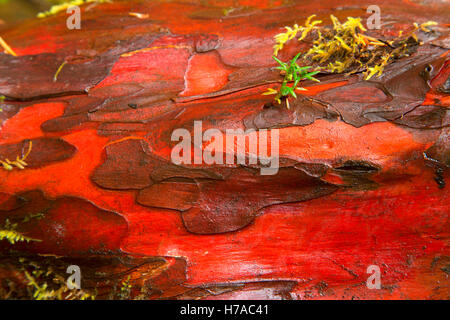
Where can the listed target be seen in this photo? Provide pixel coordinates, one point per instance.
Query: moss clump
(33, 279)
(37, 280)
(344, 48)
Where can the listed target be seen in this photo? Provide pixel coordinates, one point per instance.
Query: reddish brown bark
(363, 164)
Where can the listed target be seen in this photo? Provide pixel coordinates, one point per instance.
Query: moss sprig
(10, 234)
(291, 33)
(45, 284)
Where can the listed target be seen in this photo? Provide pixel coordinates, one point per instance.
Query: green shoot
(292, 73)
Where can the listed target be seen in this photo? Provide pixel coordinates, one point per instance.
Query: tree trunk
(362, 171)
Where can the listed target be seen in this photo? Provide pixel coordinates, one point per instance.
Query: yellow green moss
(10, 234)
(42, 282)
(63, 6)
(56, 290)
(344, 48)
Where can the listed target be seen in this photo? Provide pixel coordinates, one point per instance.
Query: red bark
(363, 164)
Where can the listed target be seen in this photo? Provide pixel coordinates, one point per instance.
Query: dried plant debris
(345, 48)
(18, 163)
(6, 48)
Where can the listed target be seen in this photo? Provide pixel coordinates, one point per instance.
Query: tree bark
(363, 164)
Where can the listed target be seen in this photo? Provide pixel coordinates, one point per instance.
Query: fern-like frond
(13, 236)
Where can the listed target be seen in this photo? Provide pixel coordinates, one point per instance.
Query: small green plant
(293, 73)
(2, 99)
(342, 48)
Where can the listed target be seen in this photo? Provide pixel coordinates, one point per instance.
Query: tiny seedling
(293, 73)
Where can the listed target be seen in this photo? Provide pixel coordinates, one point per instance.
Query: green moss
(342, 48)
(45, 284)
(41, 281)
(345, 48)
(125, 289)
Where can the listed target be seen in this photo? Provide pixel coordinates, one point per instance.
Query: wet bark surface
(363, 164)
